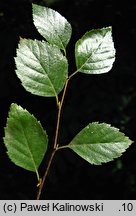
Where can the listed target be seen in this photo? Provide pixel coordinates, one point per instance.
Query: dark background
(109, 98)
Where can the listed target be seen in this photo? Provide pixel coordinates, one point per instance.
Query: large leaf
(25, 139)
(95, 51)
(99, 143)
(41, 67)
(52, 26)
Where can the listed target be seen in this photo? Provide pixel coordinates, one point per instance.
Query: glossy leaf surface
(52, 26)
(25, 139)
(41, 67)
(95, 51)
(99, 143)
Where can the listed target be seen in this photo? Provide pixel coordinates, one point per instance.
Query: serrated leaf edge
(21, 41)
(80, 69)
(4, 138)
(108, 126)
(50, 9)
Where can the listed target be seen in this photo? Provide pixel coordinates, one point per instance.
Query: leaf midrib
(107, 143)
(91, 53)
(55, 93)
(27, 143)
(58, 36)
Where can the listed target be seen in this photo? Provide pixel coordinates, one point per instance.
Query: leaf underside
(95, 52)
(99, 143)
(41, 67)
(52, 26)
(25, 139)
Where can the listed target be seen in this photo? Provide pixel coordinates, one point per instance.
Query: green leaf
(41, 67)
(99, 143)
(95, 51)
(52, 26)
(25, 139)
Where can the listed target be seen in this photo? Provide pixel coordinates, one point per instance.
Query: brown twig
(45, 175)
(55, 141)
(59, 113)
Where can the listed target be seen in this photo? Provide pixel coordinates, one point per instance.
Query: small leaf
(41, 67)
(99, 143)
(52, 26)
(95, 51)
(25, 139)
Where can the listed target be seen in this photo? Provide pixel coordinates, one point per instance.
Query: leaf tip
(34, 6)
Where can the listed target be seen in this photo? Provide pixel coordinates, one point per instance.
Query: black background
(109, 98)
